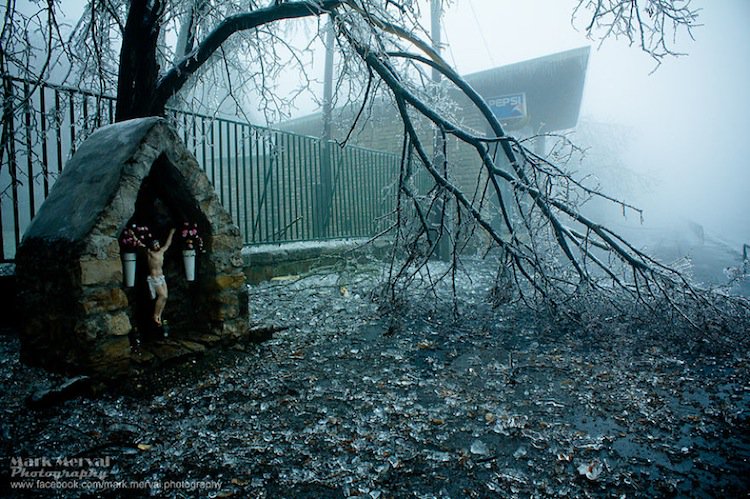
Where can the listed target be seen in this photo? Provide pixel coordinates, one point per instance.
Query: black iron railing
(278, 186)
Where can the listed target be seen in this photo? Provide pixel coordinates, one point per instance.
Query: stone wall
(76, 314)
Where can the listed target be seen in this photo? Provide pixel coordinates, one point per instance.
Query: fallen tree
(526, 206)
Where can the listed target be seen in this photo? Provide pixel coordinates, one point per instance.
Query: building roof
(553, 85)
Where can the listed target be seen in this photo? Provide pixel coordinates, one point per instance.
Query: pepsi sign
(507, 107)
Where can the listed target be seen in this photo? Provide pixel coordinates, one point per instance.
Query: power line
(449, 46)
(481, 33)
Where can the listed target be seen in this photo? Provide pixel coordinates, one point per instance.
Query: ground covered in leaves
(347, 402)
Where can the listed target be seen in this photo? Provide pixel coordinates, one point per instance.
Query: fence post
(287, 187)
(326, 188)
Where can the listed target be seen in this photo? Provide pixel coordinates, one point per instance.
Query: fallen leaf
(291, 278)
(591, 470)
(479, 447)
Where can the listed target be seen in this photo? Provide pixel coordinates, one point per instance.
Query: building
(530, 98)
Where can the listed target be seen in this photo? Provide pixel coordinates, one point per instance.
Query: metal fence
(278, 186)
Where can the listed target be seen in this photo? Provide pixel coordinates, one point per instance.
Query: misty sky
(691, 118)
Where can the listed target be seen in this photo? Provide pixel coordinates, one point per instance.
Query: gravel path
(346, 403)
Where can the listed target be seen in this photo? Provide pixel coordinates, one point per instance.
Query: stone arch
(77, 316)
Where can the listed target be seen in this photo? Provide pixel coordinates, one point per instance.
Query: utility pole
(326, 178)
(328, 82)
(438, 143)
(436, 11)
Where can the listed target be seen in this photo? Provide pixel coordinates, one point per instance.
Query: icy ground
(500, 403)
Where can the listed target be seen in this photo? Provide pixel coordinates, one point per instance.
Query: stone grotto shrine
(78, 316)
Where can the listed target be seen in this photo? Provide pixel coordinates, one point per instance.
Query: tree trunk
(139, 69)
(140, 91)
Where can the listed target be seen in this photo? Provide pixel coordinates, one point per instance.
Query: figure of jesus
(157, 283)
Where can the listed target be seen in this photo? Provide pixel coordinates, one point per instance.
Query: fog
(688, 120)
(684, 122)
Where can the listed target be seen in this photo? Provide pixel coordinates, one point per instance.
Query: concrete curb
(265, 261)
